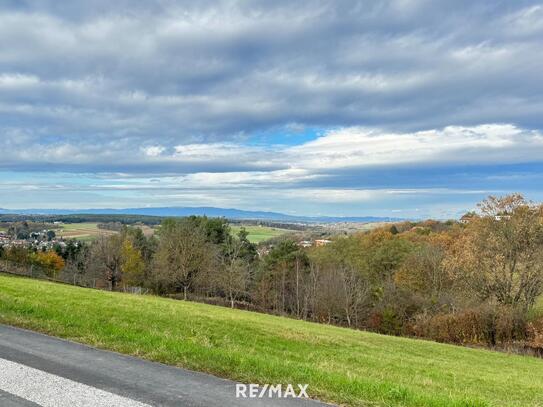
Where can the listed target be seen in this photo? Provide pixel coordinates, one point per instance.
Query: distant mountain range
(208, 211)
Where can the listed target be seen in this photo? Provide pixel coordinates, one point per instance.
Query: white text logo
(254, 391)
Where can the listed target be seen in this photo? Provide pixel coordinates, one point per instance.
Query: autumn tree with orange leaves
(50, 262)
(500, 257)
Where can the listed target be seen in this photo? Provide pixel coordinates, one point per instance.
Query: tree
(422, 271)
(217, 230)
(384, 254)
(146, 246)
(282, 271)
(500, 257)
(132, 265)
(345, 286)
(106, 258)
(183, 254)
(247, 250)
(17, 254)
(232, 277)
(77, 256)
(49, 261)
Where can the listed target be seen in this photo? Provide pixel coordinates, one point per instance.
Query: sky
(404, 108)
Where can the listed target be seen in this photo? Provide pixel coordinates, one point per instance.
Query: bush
(483, 325)
(534, 340)
(50, 262)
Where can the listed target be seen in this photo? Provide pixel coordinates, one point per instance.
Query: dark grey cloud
(88, 86)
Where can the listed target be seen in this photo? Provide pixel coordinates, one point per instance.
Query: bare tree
(355, 291)
(106, 259)
(182, 255)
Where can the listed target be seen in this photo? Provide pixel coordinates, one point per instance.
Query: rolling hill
(228, 213)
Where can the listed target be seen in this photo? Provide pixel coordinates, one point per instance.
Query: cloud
(401, 95)
(359, 147)
(153, 151)
(185, 72)
(351, 147)
(347, 149)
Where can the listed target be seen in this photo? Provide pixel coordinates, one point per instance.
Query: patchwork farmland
(89, 231)
(82, 231)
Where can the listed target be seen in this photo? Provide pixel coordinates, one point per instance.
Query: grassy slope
(258, 234)
(341, 365)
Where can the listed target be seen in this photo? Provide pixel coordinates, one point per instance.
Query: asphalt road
(39, 370)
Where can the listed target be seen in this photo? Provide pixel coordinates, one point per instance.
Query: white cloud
(209, 151)
(360, 147)
(153, 151)
(17, 80)
(345, 148)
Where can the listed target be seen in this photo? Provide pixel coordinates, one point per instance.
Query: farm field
(90, 231)
(340, 365)
(259, 234)
(147, 230)
(82, 231)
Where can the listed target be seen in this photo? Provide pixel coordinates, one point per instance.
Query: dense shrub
(484, 325)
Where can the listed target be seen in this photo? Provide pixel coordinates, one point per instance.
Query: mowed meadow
(258, 234)
(343, 366)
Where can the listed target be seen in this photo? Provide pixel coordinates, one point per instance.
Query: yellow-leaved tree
(132, 265)
(50, 262)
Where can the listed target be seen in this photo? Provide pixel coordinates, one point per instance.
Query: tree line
(472, 283)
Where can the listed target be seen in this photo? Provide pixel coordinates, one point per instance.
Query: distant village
(316, 243)
(24, 236)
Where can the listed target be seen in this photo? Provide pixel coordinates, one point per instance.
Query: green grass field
(340, 365)
(259, 234)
